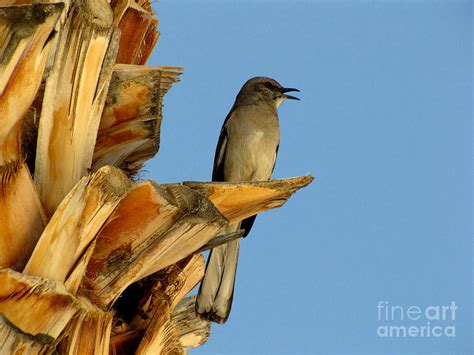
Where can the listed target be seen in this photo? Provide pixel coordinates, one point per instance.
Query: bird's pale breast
(252, 143)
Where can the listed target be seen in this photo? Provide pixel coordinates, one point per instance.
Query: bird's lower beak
(285, 90)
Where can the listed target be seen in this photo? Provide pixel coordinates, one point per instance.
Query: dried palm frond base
(91, 261)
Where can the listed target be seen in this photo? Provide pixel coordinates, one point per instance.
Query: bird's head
(264, 90)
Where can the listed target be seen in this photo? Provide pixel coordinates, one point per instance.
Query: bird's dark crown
(263, 81)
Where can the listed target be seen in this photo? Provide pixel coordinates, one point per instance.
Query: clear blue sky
(384, 124)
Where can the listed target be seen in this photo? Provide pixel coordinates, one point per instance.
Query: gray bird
(246, 151)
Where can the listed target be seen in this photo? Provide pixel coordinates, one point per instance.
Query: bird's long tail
(214, 299)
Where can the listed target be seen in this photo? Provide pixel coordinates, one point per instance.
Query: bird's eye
(269, 85)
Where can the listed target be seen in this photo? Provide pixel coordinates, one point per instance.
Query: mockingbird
(246, 151)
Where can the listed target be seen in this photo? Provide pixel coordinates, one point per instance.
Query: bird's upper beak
(285, 90)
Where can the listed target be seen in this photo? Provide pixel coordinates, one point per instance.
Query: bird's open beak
(285, 90)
